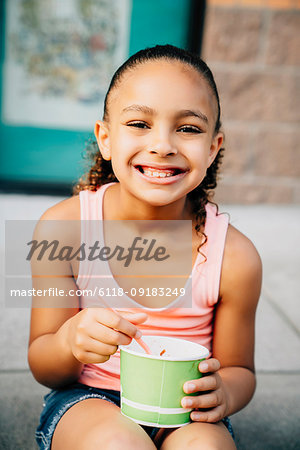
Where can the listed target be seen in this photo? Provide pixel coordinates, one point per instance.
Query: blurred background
(57, 57)
(253, 47)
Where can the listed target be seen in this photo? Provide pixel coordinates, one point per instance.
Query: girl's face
(160, 135)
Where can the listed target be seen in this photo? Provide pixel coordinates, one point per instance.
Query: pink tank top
(194, 323)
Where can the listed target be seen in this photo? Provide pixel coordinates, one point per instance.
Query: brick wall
(253, 49)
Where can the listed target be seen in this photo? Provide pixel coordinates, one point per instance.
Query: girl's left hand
(213, 399)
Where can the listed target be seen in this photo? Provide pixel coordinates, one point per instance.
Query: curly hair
(101, 171)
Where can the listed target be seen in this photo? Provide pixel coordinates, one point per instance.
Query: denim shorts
(57, 402)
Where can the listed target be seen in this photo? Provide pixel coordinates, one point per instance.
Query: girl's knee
(115, 438)
(199, 443)
(200, 436)
(124, 441)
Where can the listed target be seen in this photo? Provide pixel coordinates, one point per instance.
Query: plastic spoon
(143, 345)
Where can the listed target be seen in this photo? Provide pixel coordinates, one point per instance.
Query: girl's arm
(50, 359)
(234, 325)
(230, 381)
(63, 338)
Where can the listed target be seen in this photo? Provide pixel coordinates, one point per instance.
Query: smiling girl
(159, 150)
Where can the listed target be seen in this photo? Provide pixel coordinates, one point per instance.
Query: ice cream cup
(152, 385)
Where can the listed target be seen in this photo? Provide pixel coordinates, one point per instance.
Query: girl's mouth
(159, 175)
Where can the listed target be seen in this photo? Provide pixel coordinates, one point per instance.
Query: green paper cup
(152, 385)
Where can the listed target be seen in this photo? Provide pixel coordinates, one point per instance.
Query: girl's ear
(102, 136)
(215, 147)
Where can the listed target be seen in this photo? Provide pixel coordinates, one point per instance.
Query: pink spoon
(143, 345)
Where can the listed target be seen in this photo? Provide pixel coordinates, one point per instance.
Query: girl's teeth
(149, 173)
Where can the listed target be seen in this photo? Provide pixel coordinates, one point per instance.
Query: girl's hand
(213, 400)
(94, 334)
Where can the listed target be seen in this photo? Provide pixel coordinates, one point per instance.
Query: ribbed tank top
(193, 323)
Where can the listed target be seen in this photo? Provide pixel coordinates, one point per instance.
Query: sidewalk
(271, 421)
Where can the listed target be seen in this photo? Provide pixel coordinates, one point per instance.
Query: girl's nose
(163, 147)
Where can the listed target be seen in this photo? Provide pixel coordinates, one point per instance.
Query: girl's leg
(199, 435)
(98, 424)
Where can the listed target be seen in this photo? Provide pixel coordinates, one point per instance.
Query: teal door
(49, 158)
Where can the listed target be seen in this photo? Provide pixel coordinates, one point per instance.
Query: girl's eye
(189, 129)
(142, 125)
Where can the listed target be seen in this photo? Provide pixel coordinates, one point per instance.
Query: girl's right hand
(94, 334)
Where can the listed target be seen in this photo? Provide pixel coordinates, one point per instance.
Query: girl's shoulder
(68, 209)
(239, 248)
(54, 224)
(242, 266)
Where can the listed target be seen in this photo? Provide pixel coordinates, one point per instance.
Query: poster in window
(59, 58)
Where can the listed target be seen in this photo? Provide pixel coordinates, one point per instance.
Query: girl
(160, 147)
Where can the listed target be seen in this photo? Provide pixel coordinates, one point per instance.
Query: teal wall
(158, 22)
(55, 156)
